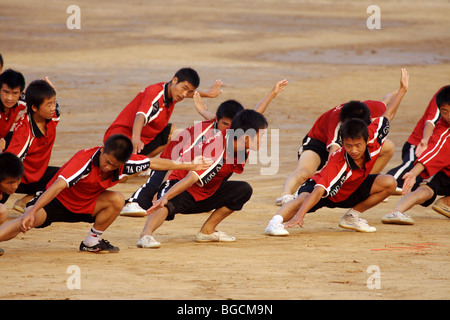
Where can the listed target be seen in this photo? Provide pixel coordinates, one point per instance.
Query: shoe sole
(133, 214)
(149, 247)
(440, 210)
(355, 229)
(395, 221)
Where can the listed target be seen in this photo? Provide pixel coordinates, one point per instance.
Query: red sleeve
(377, 108)
(149, 105)
(21, 138)
(436, 157)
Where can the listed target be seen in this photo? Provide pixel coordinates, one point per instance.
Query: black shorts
(439, 183)
(317, 146)
(231, 194)
(56, 212)
(161, 139)
(361, 194)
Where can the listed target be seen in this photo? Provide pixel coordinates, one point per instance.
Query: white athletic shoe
(282, 200)
(217, 236)
(276, 228)
(397, 218)
(132, 209)
(148, 242)
(351, 220)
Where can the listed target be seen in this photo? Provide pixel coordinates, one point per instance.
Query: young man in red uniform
(11, 171)
(77, 193)
(200, 191)
(418, 140)
(345, 182)
(433, 166)
(323, 139)
(33, 138)
(142, 199)
(145, 120)
(12, 84)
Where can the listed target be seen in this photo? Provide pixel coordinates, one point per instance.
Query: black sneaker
(103, 246)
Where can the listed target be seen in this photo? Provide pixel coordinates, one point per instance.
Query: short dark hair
(37, 91)
(189, 75)
(249, 121)
(13, 79)
(10, 166)
(443, 97)
(355, 109)
(354, 129)
(228, 109)
(119, 146)
(1, 61)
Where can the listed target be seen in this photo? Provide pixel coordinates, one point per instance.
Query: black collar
(352, 163)
(96, 162)
(167, 101)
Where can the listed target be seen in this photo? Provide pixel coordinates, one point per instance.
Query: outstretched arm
(309, 202)
(264, 103)
(394, 103)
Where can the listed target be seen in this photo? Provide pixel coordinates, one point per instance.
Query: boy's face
(223, 123)
(47, 109)
(9, 185)
(445, 112)
(180, 90)
(9, 96)
(108, 162)
(355, 147)
(253, 143)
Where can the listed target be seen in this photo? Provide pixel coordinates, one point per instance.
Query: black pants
(231, 194)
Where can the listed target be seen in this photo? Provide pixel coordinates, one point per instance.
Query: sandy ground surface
(327, 54)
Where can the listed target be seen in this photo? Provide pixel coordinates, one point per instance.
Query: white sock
(93, 237)
(353, 212)
(277, 219)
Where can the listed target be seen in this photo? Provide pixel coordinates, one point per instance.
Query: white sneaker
(282, 200)
(275, 228)
(132, 209)
(148, 242)
(352, 221)
(217, 236)
(397, 218)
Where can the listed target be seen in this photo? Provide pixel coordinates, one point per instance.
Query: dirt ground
(328, 55)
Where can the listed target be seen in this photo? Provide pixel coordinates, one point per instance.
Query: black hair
(119, 146)
(37, 91)
(13, 79)
(10, 166)
(355, 109)
(249, 121)
(189, 75)
(1, 61)
(443, 97)
(354, 129)
(228, 109)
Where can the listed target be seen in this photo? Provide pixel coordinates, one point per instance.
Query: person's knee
(117, 200)
(3, 213)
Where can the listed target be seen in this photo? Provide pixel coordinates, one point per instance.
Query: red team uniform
(344, 182)
(34, 149)
(7, 121)
(213, 190)
(436, 161)
(325, 131)
(431, 114)
(154, 104)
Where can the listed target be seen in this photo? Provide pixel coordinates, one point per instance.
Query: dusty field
(327, 54)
